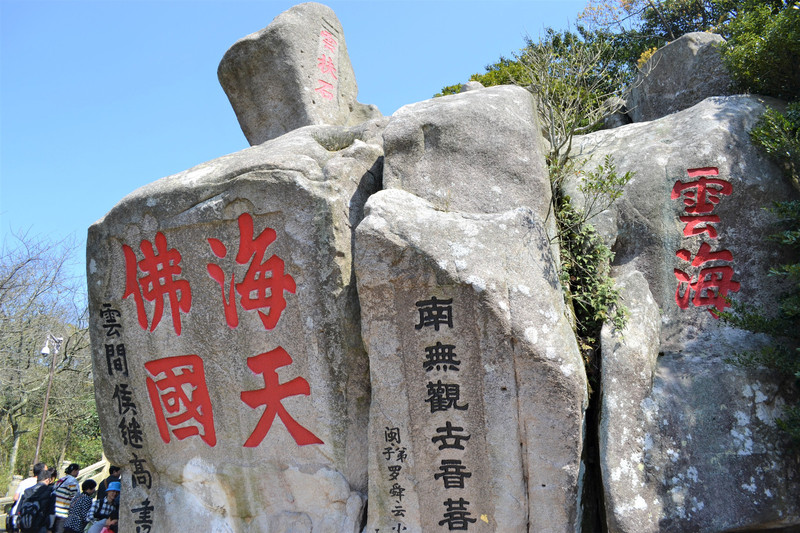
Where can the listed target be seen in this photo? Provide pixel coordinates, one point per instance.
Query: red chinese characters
(264, 282)
(703, 194)
(161, 269)
(271, 396)
(176, 385)
(327, 65)
(179, 396)
(710, 285)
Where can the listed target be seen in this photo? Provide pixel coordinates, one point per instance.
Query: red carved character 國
(179, 396)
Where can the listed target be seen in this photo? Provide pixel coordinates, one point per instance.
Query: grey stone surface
(617, 115)
(478, 151)
(295, 72)
(679, 75)
(645, 228)
(689, 442)
(471, 86)
(520, 377)
(210, 462)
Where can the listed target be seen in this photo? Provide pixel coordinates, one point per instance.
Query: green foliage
(779, 135)
(37, 300)
(503, 72)
(763, 49)
(580, 70)
(673, 18)
(585, 258)
(572, 75)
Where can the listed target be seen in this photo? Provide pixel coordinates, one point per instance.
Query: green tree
(763, 49)
(38, 299)
(573, 76)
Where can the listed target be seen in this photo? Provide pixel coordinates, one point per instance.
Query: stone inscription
(441, 361)
(176, 385)
(327, 84)
(705, 285)
(131, 431)
(443, 473)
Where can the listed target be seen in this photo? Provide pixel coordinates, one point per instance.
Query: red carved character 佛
(161, 269)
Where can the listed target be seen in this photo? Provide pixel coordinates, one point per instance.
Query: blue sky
(100, 97)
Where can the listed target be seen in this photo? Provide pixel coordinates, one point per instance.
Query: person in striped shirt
(65, 490)
(76, 521)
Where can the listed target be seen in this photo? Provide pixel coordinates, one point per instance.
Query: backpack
(31, 513)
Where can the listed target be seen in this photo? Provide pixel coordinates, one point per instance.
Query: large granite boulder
(231, 381)
(478, 151)
(295, 72)
(478, 387)
(688, 441)
(679, 75)
(463, 317)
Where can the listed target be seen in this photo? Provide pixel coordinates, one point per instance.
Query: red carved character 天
(161, 268)
(271, 396)
(264, 282)
(711, 285)
(179, 396)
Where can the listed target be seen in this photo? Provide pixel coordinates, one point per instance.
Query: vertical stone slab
(295, 72)
(688, 441)
(480, 151)
(478, 388)
(230, 378)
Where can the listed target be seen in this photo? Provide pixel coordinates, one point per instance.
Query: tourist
(24, 485)
(76, 519)
(102, 509)
(113, 472)
(65, 490)
(42, 494)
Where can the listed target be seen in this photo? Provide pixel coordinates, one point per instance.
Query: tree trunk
(64, 446)
(12, 456)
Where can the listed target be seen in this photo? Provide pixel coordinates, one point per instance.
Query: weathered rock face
(242, 379)
(468, 460)
(478, 151)
(231, 379)
(478, 388)
(688, 441)
(679, 75)
(295, 72)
